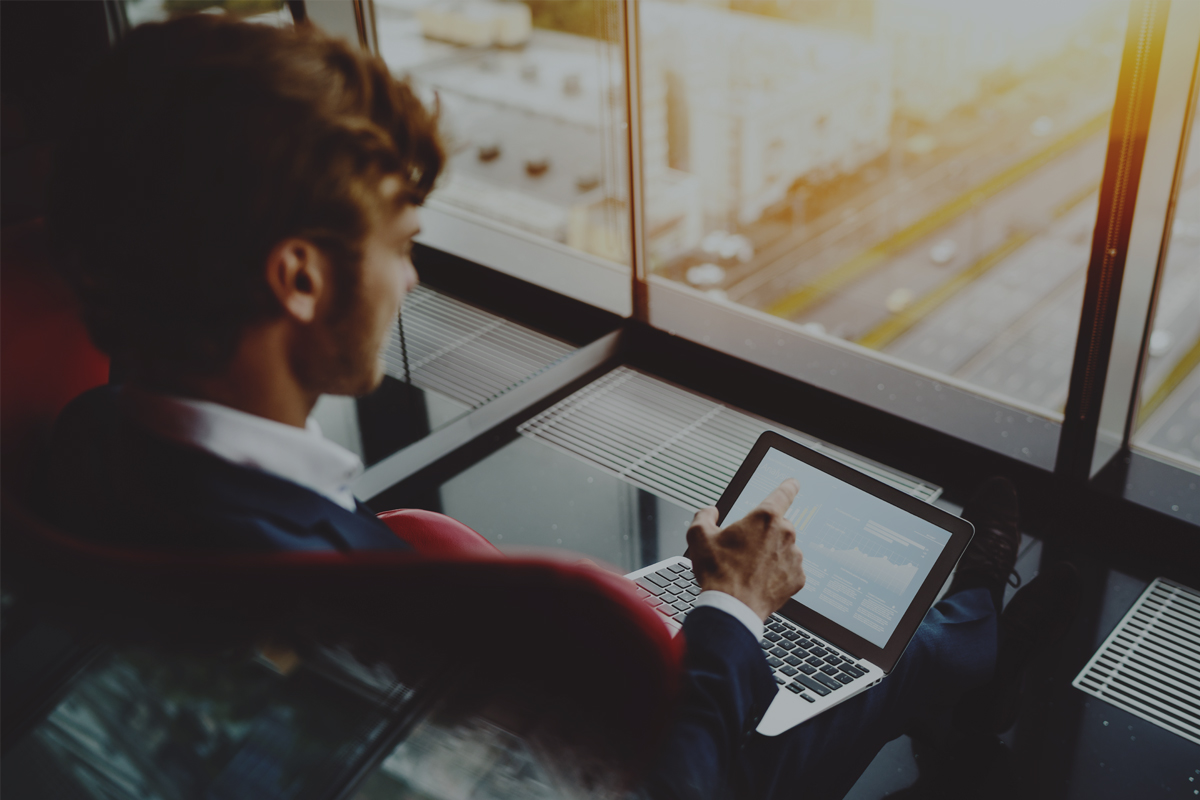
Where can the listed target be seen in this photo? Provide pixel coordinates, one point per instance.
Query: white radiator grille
(1150, 665)
(670, 441)
(465, 352)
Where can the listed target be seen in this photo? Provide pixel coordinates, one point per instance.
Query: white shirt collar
(302, 456)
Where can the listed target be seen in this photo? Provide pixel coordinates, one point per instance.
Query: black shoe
(1037, 617)
(989, 559)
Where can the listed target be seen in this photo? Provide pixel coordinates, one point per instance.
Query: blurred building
(750, 104)
(534, 125)
(942, 51)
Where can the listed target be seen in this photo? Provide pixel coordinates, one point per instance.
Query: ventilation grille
(464, 352)
(670, 441)
(1150, 665)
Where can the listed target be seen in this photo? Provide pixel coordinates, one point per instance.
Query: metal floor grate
(671, 441)
(1150, 664)
(465, 352)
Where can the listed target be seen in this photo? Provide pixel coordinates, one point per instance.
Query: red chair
(555, 626)
(436, 535)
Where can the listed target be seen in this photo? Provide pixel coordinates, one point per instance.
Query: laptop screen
(864, 558)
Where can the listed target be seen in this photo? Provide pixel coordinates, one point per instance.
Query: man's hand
(754, 559)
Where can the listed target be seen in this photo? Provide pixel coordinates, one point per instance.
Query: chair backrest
(432, 534)
(560, 629)
(46, 358)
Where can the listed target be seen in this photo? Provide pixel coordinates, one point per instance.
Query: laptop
(875, 559)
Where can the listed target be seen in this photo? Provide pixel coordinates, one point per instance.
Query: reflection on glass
(472, 759)
(510, 751)
(442, 359)
(1169, 414)
(147, 724)
(532, 103)
(270, 12)
(919, 177)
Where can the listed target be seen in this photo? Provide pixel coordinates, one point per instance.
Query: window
(533, 107)
(1168, 419)
(917, 179)
(271, 12)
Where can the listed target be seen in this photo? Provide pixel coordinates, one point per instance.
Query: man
(238, 207)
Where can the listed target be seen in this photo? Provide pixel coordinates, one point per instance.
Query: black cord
(403, 347)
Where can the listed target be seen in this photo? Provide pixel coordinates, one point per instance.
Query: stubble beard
(342, 358)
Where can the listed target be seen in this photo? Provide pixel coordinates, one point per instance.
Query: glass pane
(1169, 415)
(143, 723)
(271, 12)
(917, 177)
(532, 102)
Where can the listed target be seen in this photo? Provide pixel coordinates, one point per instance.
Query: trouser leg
(953, 650)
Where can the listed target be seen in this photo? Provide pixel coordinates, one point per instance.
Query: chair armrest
(433, 534)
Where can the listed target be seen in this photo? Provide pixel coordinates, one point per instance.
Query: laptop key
(809, 698)
(816, 662)
(834, 660)
(807, 669)
(784, 643)
(787, 669)
(656, 579)
(775, 626)
(843, 677)
(851, 670)
(828, 670)
(773, 662)
(778, 652)
(795, 662)
(809, 683)
(794, 688)
(826, 680)
(780, 681)
(817, 651)
(771, 636)
(652, 588)
(801, 645)
(791, 635)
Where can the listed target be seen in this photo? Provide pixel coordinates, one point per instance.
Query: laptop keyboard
(802, 663)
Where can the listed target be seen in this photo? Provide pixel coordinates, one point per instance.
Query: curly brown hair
(204, 144)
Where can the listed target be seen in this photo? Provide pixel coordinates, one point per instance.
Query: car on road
(943, 252)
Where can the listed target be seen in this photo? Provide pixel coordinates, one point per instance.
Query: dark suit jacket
(727, 689)
(114, 483)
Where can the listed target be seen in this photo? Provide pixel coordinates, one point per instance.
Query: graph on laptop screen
(864, 558)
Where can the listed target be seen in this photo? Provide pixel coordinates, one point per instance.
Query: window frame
(1162, 171)
(1068, 447)
(491, 243)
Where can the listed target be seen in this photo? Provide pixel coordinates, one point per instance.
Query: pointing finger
(706, 516)
(781, 499)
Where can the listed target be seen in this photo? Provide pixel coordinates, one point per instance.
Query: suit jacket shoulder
(111, 481)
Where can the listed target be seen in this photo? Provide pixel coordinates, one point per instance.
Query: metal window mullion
(631, 52)
(1110, 239)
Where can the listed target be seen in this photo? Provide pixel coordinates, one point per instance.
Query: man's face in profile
(349, 362)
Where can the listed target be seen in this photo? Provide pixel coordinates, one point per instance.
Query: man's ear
(296, 273)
